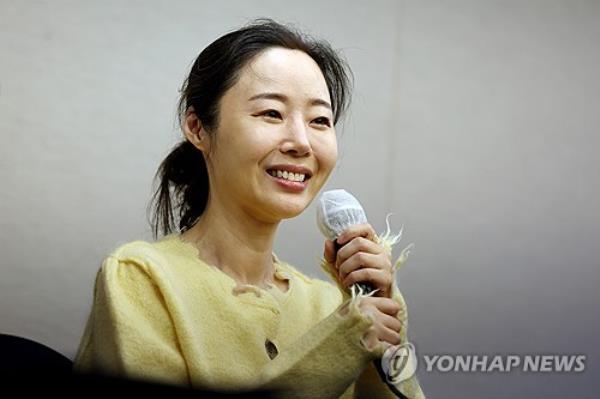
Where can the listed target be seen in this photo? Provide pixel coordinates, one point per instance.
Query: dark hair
(183, 172)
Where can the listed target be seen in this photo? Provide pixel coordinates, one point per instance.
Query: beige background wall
(474, 121)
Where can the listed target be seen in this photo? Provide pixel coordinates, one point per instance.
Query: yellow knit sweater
(160, 313)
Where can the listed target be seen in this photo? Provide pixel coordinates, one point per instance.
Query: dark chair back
(18, 354)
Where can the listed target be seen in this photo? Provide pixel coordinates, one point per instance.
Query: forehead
(283, 70)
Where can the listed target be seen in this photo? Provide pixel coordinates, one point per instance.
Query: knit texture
(160, 313)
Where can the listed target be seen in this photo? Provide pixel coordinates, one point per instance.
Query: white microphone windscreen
(337, 210)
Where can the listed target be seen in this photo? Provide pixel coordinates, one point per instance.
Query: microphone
(337, 211)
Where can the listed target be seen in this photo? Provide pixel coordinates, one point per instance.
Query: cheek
(247, 147)
(327, 153)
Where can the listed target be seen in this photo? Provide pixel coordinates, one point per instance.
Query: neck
(238, 244)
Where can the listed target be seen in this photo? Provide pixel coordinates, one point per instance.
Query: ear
(195, 132)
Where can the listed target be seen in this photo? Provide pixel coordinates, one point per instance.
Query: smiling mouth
(288, 176)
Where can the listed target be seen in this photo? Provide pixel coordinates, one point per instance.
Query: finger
(357, 261)
(360, 258)
(392, 323)
(329, 252)
(384, 305)
(357, 244)
(357, 230)
(390, 336)
(376, 277)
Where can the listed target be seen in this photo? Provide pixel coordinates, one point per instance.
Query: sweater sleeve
(370, 383)
(129, 332)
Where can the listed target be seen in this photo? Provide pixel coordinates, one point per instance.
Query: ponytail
(183, 171)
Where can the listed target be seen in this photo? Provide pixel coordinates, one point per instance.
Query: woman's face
(277, 117)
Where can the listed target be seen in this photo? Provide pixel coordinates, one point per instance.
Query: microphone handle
(366, 287)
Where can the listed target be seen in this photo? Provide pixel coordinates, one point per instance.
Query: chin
(290, 210)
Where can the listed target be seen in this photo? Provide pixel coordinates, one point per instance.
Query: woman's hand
(361, 259)
(386, 325)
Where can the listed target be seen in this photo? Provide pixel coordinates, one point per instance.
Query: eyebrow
(284, 99)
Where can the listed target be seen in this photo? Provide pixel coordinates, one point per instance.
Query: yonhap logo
(399, 362)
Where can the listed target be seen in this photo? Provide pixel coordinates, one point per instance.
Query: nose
(296, 139)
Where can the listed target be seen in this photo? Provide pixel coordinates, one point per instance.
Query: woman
(212, 305)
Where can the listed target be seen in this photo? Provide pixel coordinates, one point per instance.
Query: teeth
(284, 174)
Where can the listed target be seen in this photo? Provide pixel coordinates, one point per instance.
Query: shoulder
(138, 258)
(138, 250)
(132, 283)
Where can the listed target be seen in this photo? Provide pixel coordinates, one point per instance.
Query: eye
(323, 121)
(272, 114)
